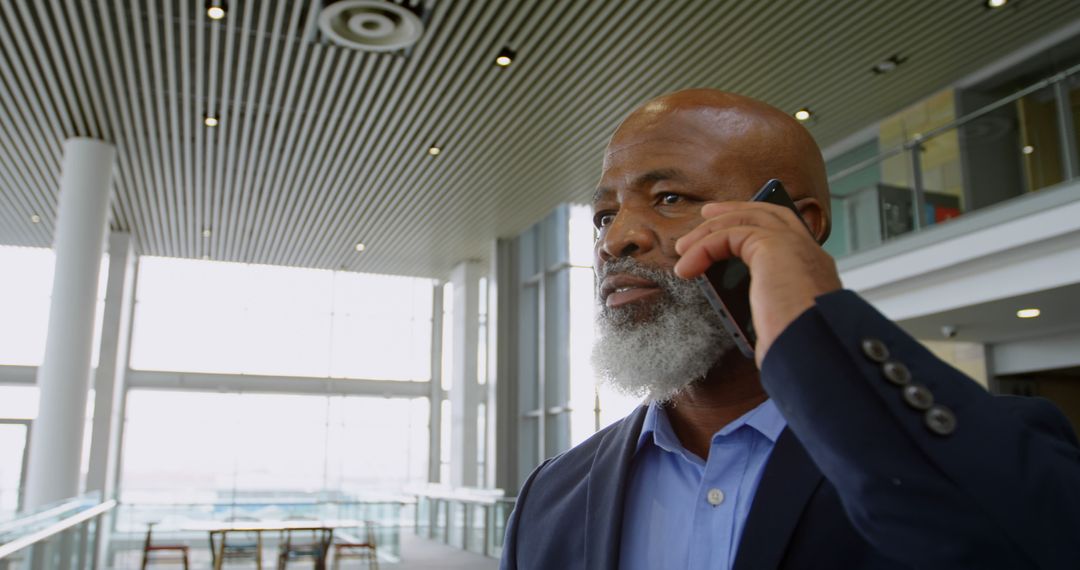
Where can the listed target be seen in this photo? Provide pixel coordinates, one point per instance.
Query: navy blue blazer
(862, 478)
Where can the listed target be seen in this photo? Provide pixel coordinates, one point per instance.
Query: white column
(109, 379)
(465, 390)
(503, 321)
(435, 396)
(63, 377)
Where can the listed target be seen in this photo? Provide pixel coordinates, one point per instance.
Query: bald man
(843, 445)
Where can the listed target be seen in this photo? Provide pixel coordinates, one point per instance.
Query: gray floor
(422, 554)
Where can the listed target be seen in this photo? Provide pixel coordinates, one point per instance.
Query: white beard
(655, 351)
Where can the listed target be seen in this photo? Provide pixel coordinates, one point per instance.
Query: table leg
(327, 540)
(258, 551)
(220, 558)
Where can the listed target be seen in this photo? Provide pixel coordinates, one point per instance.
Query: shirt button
(715, 497)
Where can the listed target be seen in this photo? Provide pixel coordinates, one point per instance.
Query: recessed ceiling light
(996, 3)
(206, 233)
(803, 114)
(505, 57)
(1028, 313)
(360, 247)
(886, 65)
(1028, 149)
(34, 218)
(434, 151)
(210, 121)
(215, 11)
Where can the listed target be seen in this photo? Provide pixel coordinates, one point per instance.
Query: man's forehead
(681, 123)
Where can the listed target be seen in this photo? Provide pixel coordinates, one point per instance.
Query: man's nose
(627, 236)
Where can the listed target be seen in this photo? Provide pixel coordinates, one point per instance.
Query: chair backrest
(289, 533)
(369, 531)
(149, 532)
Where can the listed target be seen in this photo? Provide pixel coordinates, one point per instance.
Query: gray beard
(657, 350)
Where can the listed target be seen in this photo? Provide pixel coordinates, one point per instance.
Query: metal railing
(176, 521)
(897, 208)
(473, 520)
(60, 536)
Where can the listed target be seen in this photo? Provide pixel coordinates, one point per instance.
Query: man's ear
(816, 217)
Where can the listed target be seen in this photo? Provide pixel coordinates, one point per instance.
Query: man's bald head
(759, 140)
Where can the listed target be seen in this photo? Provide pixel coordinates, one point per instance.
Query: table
(325, 528)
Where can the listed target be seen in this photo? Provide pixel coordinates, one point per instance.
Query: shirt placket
(715, 501)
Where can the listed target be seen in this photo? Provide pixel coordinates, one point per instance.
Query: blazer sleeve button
(875, 350)
(918, 396)
(896, 373)
(940, 420)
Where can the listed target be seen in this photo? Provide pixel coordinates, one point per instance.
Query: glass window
(448, 337)
(25, 295)
(12, 447)
(593, 406)
(201, 316)
(18, 402)
(270, 443)
(444, 444)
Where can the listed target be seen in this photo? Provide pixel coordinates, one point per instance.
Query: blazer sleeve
(934, 471)
(509, 560)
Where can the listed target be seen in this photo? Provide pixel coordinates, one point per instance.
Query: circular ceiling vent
(371, 25)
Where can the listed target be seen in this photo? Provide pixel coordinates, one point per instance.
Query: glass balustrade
(469, 519)
(185, 523)
(1005, 149)
(58, 536)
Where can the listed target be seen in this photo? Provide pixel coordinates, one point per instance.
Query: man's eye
(670, 199)
(603, 220)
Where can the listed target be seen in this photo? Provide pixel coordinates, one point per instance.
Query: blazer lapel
(607, 486)
(789, 479)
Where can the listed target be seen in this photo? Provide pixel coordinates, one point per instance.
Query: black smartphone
(726, 284)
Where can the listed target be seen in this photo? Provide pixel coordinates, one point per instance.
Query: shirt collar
(765, 419)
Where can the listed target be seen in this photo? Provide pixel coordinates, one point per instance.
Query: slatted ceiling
(320, 147)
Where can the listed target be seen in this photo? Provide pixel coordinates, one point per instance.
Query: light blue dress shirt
(683, 512)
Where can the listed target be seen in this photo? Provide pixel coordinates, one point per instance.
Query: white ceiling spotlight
(370, 25)
(215, 10)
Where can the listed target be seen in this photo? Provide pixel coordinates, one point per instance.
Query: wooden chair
(365, 550)
(149, 546)
(250, 547)
(302, 544)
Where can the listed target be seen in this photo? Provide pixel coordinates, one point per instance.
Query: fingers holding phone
(762, 262)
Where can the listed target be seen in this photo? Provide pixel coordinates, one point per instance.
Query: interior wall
(990, 151)
(842, 240)
(1061, 388)
(941, 168)
(967, 357)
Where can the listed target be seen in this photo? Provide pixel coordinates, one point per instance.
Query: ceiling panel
(320, 147)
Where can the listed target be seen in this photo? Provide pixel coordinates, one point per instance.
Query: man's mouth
(622, 289)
